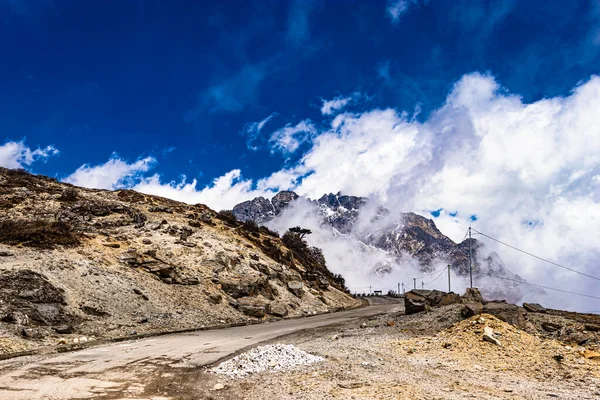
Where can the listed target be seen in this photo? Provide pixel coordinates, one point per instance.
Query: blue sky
(482, 112)
(180, 80)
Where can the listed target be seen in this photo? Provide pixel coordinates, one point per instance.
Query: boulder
(279, 310)
(414, 303)
(262, 268)
(31, 294)
(449, 298)
(510, 313)
(130, 257)
(192, 281)
(592, 328)
(550, 326)
(472, 295)
(64, 329)
(215, 298)
(253, 307)
(17, 318)
(488, 336)
(534, 307)
(323, 283)
(32, 333)
(296, 288)
(418, 300)
(247, 285)
(471, 309)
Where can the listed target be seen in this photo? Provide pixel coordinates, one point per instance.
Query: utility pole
(470, 261)
(398, 288)
(449, 290)
(422, 285)
(415, 282)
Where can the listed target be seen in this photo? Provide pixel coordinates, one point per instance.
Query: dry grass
(37, 233)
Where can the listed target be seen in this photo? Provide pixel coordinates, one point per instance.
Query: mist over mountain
(372, 246)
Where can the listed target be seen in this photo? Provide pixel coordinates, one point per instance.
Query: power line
(436, 278)
(545, 287)
(431, 273)
(539, 258)
(466, 233)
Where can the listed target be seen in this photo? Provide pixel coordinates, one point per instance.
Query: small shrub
(37, 233)
(266, 231)
(69, 194)
(227, 216)
(251, 226)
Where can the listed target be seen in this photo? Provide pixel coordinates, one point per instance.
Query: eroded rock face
(32, 297)
(253, 306)
(258, 210)
(246, 285)
(141, 264)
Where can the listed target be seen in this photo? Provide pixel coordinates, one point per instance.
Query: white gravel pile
(272, 357)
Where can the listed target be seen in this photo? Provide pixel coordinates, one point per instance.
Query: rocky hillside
(403, 236)
(77, 262)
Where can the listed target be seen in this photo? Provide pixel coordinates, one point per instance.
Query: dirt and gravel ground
(424, 356)
(434, 355)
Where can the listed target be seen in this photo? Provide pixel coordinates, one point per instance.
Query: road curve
(123, 367)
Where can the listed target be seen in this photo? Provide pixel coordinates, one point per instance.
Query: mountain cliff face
(103, 263)
(403, 236)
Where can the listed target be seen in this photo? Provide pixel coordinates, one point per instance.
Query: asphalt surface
(120, 370)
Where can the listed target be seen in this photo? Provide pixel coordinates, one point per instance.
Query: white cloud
(330, 106)
(223, 193)
(252, 132)
(530, 172)
(484, 153)
(289, 138)
(19, 155)
(113, 174)
(396, 9)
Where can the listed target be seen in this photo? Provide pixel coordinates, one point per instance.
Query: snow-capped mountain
(403, 237)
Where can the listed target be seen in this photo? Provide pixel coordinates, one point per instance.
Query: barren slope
(101, 264)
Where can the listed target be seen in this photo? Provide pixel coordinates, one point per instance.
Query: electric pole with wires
(470, 261)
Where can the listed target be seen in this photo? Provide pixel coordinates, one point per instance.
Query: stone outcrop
(534, 307)
(27, 296)
(253, 306)
(419, 300)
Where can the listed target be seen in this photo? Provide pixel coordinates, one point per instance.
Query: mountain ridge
(405, 236)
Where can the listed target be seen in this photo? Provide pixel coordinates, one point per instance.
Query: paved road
(121, 369)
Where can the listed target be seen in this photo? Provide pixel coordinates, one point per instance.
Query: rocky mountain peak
(400, 235)
(282, 200)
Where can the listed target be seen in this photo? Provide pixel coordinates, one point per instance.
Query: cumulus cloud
(528, 171)
(289, 138)
(19, 155)
(223, 193)
(113, 174)
(330, 107)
